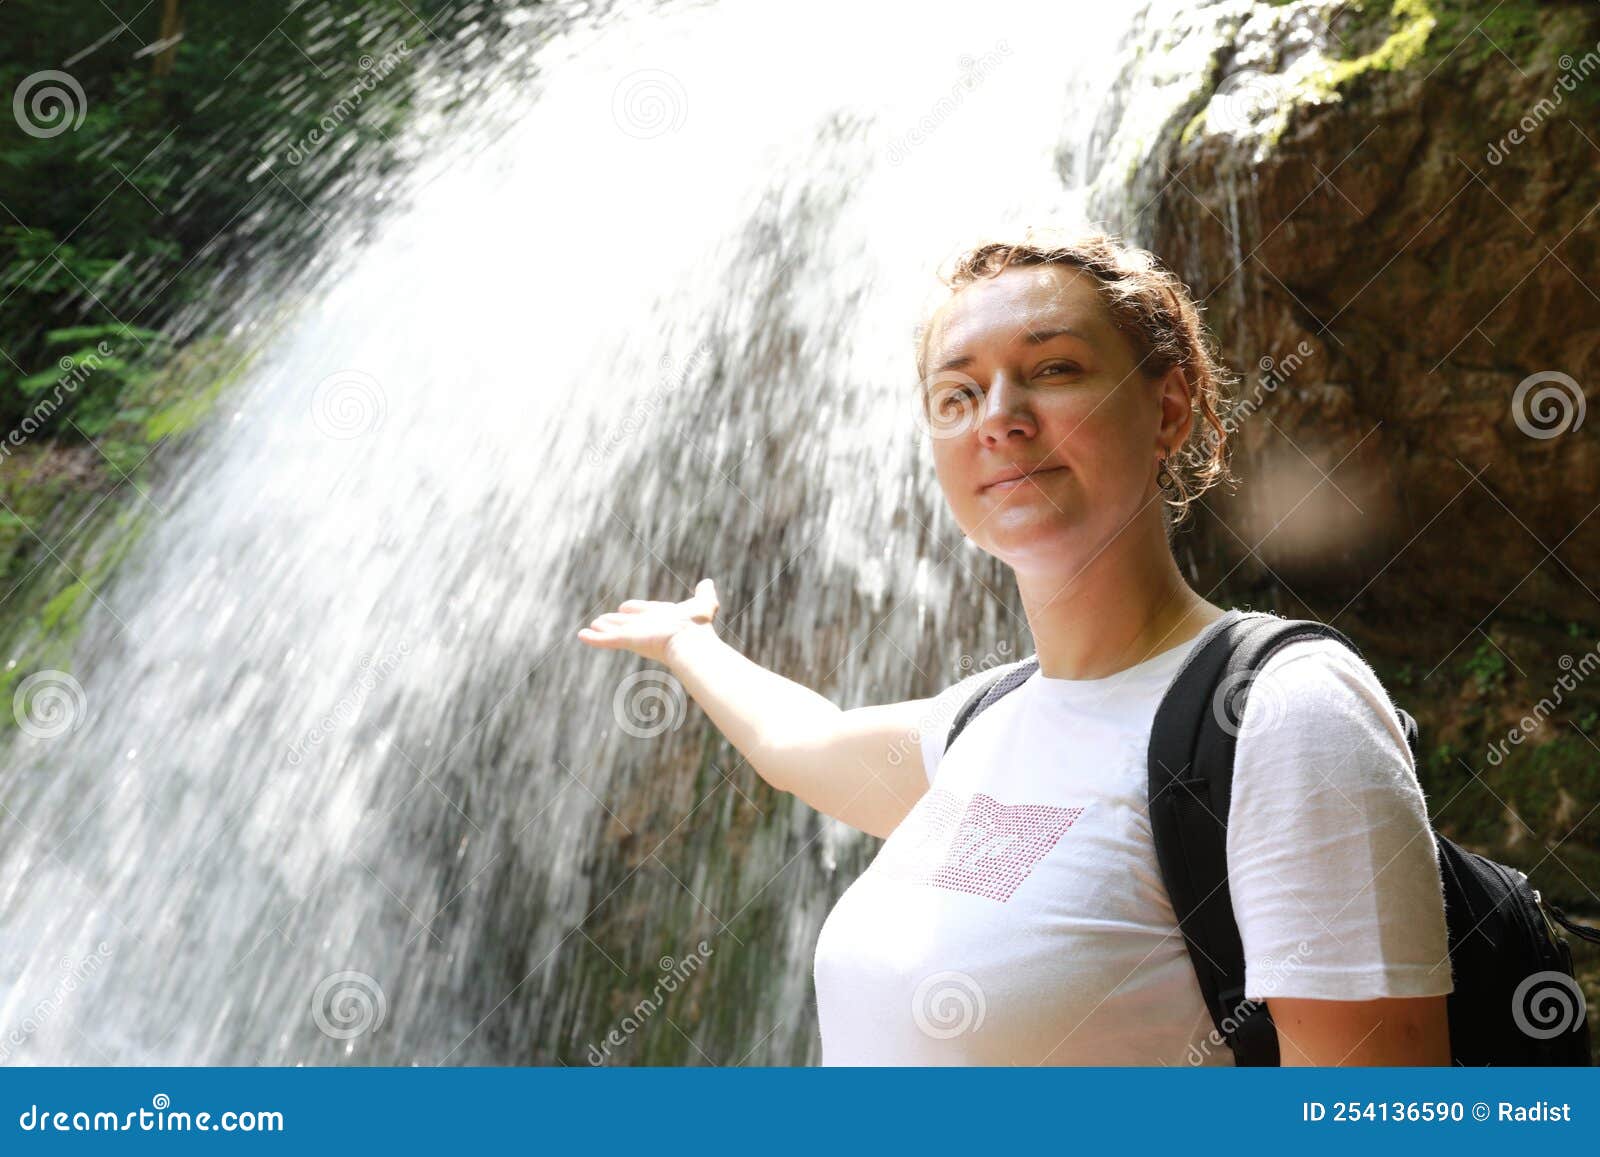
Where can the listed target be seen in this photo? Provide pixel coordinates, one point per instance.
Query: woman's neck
(1125, 606)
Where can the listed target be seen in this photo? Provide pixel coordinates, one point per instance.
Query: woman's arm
(1333, 869)
(862, 766)
(1393, 1030)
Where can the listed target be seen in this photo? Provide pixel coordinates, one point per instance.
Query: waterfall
(342, 786)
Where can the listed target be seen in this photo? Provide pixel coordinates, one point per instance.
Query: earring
(1163, 472)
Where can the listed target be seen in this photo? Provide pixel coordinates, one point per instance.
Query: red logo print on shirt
(986, 848)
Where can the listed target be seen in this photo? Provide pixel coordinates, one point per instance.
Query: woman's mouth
(1013, 480)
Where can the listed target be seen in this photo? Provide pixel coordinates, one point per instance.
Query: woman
(1016, 913)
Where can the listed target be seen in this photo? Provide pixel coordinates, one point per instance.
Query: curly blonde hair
(1152, 308)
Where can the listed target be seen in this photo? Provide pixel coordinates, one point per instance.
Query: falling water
(344, 786)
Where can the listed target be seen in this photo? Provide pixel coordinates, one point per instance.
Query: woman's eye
(1060, 368)
(952, 395)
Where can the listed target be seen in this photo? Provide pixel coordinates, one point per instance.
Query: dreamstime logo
(1243, 101)
(947, 1004)
(348, 404)
(1242, 687)
(1572, 73)
(1547, 1004)
(974, 70)
(950, 404)
(49, 704)
(1272, 972)
(968, 665)
(1267, 978)
(74, 372)
(1274, 372)
(374, 73)
(347, 1004)
(1543, 709)
(649, 703)
(47, 104)
(649, 103)
(74, 974)
(673, 376)
(372, 673)
(674, 973)
(1553, 410)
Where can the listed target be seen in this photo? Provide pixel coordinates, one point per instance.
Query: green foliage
(123, 203)
(47, 494)
(140, 207)
(96, 366)
(1487, 666)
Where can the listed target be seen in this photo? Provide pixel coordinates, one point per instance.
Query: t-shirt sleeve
(1332, 860)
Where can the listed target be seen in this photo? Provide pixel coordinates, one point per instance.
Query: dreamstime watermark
(1245, 100)
(74, 974)
(673, 375)
(674, 973)
(373, 672)
(649, 703)
(74, 372)
(1528, 724)
(949, 404)
(159, 1118)
(947, 1004)
(348, 404)
(374, 73)
(1549, 410)
(1548, 1004)
(974, 70)
(911, 741)
(1573, 73)
(1268, 979)
(49, 103)
(347, 1004)
(1237, 691)
(1274, 373)
(649, 103)
(49, 704)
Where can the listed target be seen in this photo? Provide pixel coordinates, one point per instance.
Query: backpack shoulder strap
(1192, 744)
(989, 694)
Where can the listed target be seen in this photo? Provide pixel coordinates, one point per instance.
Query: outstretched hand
(646, 627)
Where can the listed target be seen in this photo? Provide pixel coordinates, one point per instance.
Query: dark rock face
(1418, 241)
(1398, 254)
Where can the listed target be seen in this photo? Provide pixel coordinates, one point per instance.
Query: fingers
(705, 591)
(611, 629)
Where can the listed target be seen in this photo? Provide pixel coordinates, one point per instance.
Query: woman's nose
(1007, 411)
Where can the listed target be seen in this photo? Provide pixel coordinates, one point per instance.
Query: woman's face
(1028, 375)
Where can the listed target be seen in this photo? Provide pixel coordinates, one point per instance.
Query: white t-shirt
(1017, 915)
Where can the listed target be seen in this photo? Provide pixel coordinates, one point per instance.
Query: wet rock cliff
(1392, 214)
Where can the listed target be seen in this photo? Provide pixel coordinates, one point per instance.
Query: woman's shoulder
(1318, 694)
(954, 696)
(945, 704)
(1318, 662)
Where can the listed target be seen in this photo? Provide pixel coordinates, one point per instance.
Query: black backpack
(1510, 965)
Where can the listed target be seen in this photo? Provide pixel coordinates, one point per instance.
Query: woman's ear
(1176, 401)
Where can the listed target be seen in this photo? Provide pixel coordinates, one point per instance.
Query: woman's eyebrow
(1032, 337)
(1045, 335)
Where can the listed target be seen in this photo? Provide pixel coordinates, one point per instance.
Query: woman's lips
(1011, 484)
